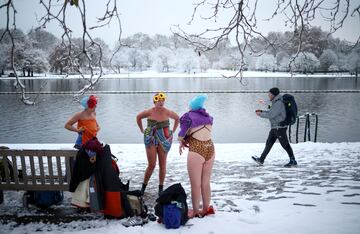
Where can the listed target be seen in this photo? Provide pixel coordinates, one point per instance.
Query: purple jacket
(193, 119)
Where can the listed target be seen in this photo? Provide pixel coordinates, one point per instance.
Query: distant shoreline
(209, 74)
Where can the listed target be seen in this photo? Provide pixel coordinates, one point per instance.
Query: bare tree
(69, 58)
(242, 26)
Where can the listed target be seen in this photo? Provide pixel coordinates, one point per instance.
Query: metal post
(305, 131)
(316, 126)
(297, 129)
(308, 125)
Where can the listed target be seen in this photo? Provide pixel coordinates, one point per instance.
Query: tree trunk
(28, 71)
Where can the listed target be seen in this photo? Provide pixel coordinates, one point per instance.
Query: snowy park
(223, 116)
(321, 195)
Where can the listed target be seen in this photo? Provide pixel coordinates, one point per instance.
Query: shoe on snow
(257, 160)
(292, 163)
(152, 217)
(210, 211)
(133, 221)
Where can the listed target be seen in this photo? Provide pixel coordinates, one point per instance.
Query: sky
(157, 17)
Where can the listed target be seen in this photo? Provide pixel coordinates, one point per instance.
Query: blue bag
(45, 199)
(172, 215)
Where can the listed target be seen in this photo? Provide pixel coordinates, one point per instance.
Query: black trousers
(275, 134)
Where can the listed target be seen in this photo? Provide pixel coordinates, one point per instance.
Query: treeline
(40, 51)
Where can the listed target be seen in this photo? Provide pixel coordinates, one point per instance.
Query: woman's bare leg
(194, 165)
(162, 165)
(205, 183)
(151, 157)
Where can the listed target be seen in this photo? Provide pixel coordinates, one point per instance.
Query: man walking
(276, 114)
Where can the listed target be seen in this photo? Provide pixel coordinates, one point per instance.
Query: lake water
(235, 120)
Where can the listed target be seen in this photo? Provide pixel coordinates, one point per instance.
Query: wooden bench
(34, 170)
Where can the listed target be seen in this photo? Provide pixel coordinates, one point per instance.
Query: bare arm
(141, 116)
(176, 118)
(69, 124)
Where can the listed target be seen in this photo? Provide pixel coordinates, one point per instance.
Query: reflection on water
(235, 120)
(193, 84)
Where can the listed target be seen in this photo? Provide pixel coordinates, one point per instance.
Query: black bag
(10, 170)
(291, 110)
(174, 193)
(133, 203)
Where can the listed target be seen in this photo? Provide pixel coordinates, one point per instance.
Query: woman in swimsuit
(87, 126)
(195, 133)
(157, 137)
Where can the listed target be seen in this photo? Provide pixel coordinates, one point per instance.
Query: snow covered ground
(322, 195)
(207, 74)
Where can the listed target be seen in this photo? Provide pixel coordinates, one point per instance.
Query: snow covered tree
(186, 60)
(140, 41)
(334, 68)
(354, 61)
(204, 63)
(327, 58)
(36, 61)
(266, 62)
(306, 62)
(161, 41)
(342, 62)
(42, 39)
(105, 55)
(162, 59)
(121, 60)
(4, 52)
(58, 60)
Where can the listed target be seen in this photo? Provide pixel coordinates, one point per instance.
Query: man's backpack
(290, 109)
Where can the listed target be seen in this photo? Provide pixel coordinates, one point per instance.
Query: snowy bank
(207, 74)
(322, 195)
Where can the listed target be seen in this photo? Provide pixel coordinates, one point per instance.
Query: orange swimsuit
(91, 128)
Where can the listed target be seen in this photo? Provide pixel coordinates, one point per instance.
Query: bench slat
(50, 167)
(41, 167)
(23, 166)
(68, 171)
(60, 176)
(32, 166)
(15, 169)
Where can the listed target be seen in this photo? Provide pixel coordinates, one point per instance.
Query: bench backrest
(36, 169)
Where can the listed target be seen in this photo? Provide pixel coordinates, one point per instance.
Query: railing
(307, 127)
